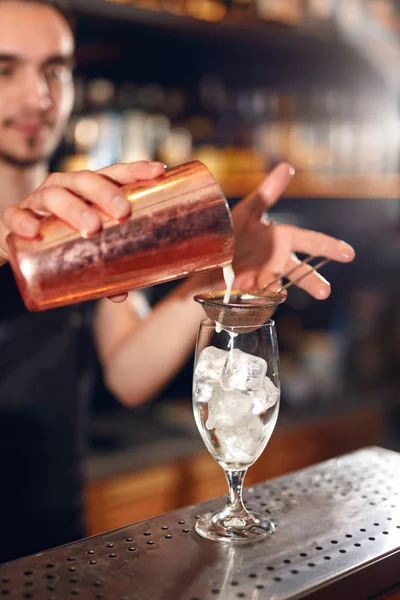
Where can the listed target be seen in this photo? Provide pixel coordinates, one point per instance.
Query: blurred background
(241, 85)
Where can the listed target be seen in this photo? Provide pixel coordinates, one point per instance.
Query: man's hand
(265, 250)
(76, 199)
(262, 252)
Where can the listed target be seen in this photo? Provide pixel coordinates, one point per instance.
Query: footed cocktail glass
(236, 393)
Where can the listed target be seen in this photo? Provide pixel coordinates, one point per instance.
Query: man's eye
(5, 71)
(60, 72)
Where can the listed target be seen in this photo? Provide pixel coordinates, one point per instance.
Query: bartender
(46, 359)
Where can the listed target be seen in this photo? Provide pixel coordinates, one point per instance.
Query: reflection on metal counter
(337, 535)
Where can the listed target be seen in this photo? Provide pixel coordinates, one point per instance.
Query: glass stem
(235, 490)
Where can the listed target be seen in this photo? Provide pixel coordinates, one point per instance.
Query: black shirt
(46, 372)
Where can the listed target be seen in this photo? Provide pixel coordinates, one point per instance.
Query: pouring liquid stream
(229, 277)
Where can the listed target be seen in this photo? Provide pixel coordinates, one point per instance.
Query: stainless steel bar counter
(337, 536)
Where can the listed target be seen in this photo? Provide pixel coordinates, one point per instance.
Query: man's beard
(24, 163)
(14, 160)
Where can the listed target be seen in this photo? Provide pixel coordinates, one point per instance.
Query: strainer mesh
(245, 310)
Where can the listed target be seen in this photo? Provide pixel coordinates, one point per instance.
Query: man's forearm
(140, 357)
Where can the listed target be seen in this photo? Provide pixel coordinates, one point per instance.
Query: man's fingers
(247, 280)
(124, 173)
(93, 188)
(319, 244)
(313, 283)
(280, 250)
(270, 190)
(21, 221)
(67, 207)
(74, 197)
(119, 298)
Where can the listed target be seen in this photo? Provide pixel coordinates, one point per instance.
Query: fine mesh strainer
(249, 310)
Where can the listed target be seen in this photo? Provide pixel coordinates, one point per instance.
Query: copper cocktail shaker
(180, 224)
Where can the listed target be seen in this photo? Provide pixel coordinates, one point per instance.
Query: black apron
(46, 376)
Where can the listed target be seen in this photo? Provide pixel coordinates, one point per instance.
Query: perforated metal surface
(331, 520)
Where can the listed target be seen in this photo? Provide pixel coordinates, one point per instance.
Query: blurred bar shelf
(320, 44)
(244, 28)
(319, 185)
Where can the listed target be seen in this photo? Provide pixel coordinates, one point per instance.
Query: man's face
(36, 87)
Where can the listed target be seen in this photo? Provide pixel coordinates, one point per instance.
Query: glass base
(242, 528)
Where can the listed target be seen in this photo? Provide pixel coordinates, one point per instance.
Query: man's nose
(36, 92)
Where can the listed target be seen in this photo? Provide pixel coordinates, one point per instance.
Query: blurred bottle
(272, 137)
(350, 14)
(147, 4)
(317, 11)
(101, 100)
(287, 12)
(384, 14)
(320, 360)
(176, 147)
(366, 360)
(93, 117)
(176, 7)
(135, 143)
(207, 10)
(242, 9)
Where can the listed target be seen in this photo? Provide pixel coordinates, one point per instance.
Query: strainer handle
(306, 261)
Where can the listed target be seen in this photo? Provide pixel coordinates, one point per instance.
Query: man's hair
(61, 6)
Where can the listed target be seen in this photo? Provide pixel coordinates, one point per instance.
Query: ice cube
(266, 397)
(203, 388)
(243, 371)
(214, 408)
(228, 409)
(241, 445)
(210, 363)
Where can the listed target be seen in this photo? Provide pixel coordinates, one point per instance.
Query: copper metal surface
(180, 224)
